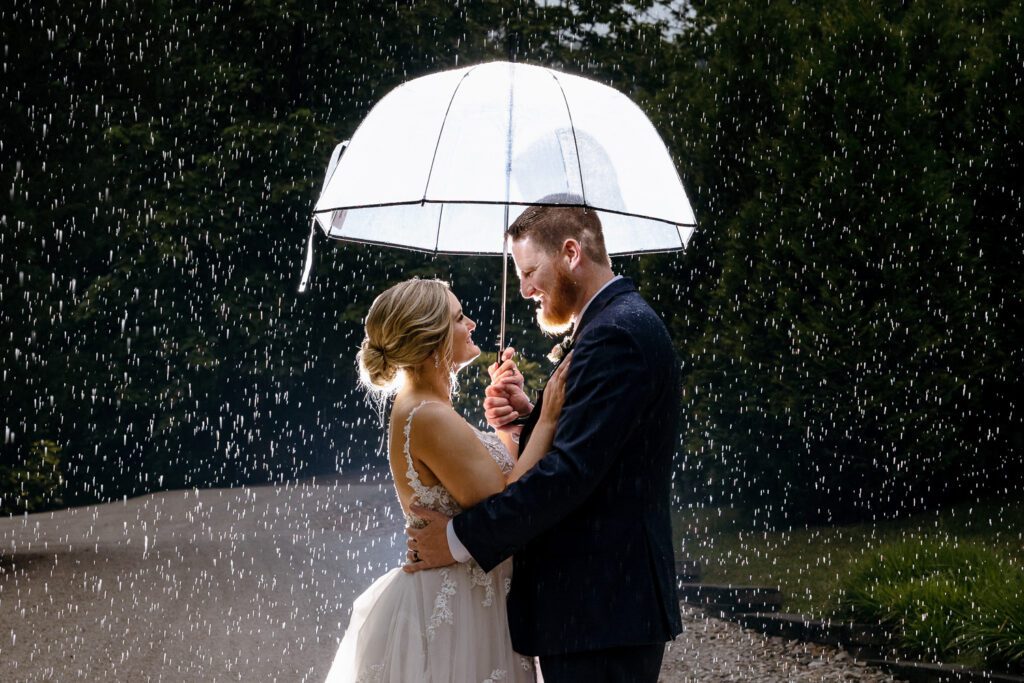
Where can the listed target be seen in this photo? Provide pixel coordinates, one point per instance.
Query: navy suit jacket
(589, 526)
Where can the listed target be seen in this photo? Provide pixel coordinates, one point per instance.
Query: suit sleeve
(608, 388)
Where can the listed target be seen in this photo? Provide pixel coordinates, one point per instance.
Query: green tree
(162, 161)
(851, 319)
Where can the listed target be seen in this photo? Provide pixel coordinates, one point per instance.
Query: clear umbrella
(444, 163)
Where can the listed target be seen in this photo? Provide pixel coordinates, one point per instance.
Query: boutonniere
(560, 349)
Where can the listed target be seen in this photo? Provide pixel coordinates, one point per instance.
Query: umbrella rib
(572, 127)
(342, 146)
(421, 202)
(437, 235)
(437, 145)
(455, 252)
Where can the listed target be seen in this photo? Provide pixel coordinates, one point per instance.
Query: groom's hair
(549, 224)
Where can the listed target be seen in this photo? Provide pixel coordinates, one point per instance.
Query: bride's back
(399, 429)
(438, 460)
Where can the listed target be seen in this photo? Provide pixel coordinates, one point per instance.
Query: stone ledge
(688, 570)
(922, 672)
(868, 643)
(757, 608)
(731, 599)
(861, 640)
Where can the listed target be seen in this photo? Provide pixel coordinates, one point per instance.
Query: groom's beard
(555, 316)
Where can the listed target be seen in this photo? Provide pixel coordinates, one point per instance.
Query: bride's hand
(508, 370)
(554, 392)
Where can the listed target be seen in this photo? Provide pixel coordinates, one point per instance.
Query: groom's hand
(428, 547)
(505, 399)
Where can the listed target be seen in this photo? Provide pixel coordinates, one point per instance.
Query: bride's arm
(544, 431)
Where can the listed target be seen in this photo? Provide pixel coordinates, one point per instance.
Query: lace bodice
(437, 497)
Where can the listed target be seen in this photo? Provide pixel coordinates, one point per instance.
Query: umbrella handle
(504, 288)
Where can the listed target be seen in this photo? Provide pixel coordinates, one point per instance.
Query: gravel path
(256, 584)
(712, 650)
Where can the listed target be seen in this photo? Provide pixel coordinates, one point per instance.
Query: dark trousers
(639, 664)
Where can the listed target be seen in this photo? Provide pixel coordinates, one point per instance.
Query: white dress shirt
(455, 546)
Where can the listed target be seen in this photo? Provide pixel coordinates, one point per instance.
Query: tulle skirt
(436, 626)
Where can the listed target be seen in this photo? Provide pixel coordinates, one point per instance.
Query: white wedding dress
(435, 626)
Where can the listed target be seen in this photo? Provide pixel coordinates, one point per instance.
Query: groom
(594, 580)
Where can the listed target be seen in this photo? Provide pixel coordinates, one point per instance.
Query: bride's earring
(437, 360)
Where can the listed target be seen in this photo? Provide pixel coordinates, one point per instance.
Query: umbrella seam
(437, 235)
(344, 145)
(316, 220)
(572, 127)
(437, 144)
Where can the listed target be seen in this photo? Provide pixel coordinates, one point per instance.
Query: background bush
(34, 482)
(946, 600)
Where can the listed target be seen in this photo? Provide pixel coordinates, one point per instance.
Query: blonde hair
(406, 324)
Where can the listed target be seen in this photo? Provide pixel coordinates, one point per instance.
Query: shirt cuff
(455, 546)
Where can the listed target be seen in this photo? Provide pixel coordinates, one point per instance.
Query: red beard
(555, 316)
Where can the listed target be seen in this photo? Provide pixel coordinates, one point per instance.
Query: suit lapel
(601, 301)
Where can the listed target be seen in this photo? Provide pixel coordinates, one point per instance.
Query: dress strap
(411, 474)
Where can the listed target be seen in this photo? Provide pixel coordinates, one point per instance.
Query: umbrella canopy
(444, 163)
(435, 164)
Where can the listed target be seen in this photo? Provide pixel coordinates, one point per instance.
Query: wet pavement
(256, 584)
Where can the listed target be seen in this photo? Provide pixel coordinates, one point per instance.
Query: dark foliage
(859, 273)
(848, 314)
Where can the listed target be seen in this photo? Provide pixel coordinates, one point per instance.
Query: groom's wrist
(455, 547)
(520, 421)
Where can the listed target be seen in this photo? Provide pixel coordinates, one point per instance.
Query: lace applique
(497, 450)
(442, 610)
(372, 675)
(496, 675)
(508, 586)
(525, 663)
(482, 578)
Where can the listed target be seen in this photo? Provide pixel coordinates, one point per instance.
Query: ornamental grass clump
(945, 600)
(997, 628)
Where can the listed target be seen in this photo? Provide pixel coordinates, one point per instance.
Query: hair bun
(374, 367)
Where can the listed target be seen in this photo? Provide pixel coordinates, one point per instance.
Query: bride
(438, 625)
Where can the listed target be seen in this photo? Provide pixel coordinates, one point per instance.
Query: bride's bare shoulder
(434, 425)
(429, 416)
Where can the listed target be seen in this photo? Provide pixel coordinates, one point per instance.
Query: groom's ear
(572, 251)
